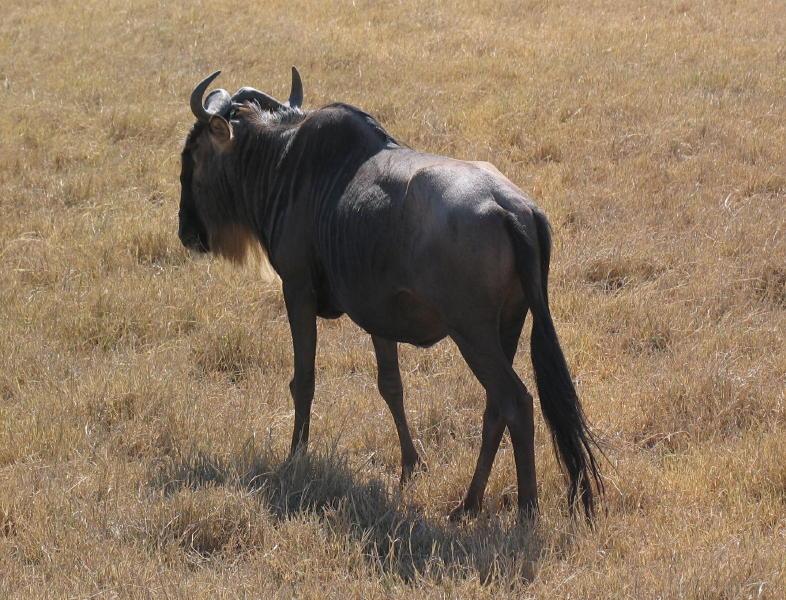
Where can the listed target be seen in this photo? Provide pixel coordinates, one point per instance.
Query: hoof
(411, 470)
(528, 513)
(463, 512)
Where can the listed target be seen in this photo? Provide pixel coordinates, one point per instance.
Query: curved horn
(196, 98)
(296, 93)
(249, 94)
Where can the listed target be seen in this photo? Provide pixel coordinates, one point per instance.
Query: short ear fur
(220, 131)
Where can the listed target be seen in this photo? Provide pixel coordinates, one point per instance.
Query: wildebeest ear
(220, 130)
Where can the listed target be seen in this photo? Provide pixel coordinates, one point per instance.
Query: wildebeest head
(207, 222)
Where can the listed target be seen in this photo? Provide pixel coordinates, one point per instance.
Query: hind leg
(493, 426)
(509, 401)
(389, 382)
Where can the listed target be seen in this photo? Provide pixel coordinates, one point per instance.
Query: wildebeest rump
(413, 247)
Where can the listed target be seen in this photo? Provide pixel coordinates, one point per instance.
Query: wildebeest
(413, 247)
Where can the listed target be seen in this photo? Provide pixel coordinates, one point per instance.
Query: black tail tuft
(573, 440)
(559, 403)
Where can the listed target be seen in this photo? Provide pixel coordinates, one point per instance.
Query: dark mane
(253, 114)
(369, 120)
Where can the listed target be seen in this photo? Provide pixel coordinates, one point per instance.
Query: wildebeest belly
(400, 316)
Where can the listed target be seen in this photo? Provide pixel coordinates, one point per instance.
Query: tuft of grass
(613, 273)
(771, 285)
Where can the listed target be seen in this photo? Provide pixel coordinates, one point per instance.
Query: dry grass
(144, 411)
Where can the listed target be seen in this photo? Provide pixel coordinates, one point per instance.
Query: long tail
(573, 440)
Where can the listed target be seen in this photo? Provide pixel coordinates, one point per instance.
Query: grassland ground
(144, 409)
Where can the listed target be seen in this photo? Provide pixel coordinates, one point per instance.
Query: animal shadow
(397, 538)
